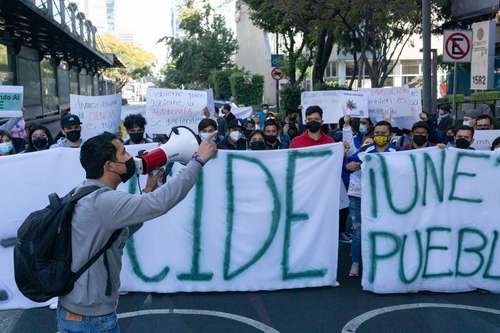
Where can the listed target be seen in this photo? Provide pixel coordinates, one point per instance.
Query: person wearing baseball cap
(71, 127)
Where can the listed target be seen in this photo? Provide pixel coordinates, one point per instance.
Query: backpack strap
(84, 191)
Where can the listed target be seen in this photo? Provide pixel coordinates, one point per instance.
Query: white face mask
(235, 135)
(466, 123)
(204, 136)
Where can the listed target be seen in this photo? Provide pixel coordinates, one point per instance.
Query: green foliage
(222, 84)
(330, 85)
(487, 96)
(290, 97)
(208, 45)
(244, 93)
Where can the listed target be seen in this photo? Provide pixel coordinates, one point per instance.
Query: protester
(135, 124)
(256, 140)
(293, 127)
(449, 138)
(496, 144)
(248, 127)
(6, 145)
(257, 119)
(63, 111)
(39, 138)
(484, 122)
(313, 135)
(271, 133)
(228, 115)
(445, 119)
(354, 133)
(221, 123)
(234, 139)
(419, 137)
(91, 305)
(381, 144)
(18, 135)
(206, 128)
(71, 127)
(464, 137)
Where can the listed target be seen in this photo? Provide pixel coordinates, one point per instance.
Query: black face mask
(271, 138)
(136, 137)
(73, 136)
(130, 164)
(41, 143)
(420, 140)
(313, 126)
(462, 144)
(257, 145)
(247, 132)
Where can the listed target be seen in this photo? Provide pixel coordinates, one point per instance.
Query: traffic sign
(457, 46)
(277, 60)
(277, 74)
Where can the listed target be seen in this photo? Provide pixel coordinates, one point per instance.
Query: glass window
(349, 69)
(331, 70)
(63, 84)
(50, 99)
(6, 73)
(410, 67)
(73, 81)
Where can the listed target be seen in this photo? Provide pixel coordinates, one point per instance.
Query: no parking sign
(457, 46)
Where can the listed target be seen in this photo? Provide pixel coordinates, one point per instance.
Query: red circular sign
(457, 46)
(277, 73)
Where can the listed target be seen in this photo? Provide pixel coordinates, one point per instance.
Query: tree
(208, 45)
(137, 61)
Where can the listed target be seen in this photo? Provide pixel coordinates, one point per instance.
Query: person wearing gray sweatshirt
(91, 305)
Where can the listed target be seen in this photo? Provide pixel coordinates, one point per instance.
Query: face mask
(130, 165)
(41, 143)
(204, 136)
(6, 147)
(363, 128)
(257, 145)
(313, 126)
(466, 123)
(381, 140)
(462, 143)
(73, 136)
(235, 135)
(136, 137)
(247, 132)
(420, 140)
(271, 138)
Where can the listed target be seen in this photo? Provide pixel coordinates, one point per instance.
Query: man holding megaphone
(92, 303)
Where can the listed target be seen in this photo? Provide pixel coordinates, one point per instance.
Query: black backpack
(43, 253)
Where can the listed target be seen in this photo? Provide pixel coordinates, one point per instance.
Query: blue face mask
(204, 136)
(6, 148)
(363, 128)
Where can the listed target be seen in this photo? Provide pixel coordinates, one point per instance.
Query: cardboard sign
(11, 101)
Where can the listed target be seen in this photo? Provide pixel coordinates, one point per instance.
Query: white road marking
(354, 323)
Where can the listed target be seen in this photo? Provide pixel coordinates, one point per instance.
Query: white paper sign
(221, 237)
(484, 139)
(430, 221)
(483, 55)
(11, 101)
(335, 104)
(243, 112)
(167, 108)
(97, 113)
(402, 105)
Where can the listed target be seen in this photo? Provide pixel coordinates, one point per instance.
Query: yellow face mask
(381, 140)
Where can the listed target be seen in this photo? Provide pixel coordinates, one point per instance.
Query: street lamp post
(426, 31)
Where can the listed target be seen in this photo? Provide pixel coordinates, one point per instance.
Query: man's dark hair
(420, 124)
(134, 120)
(314, 109)
(485, 116)
(495, 143)
(465, 128)
(271, 122)
(204, 123)
(95, 152)
(227, 107)
(384, 123)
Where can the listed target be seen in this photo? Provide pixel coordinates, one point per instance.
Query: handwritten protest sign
(484, 139)
(402, 105)
(167, 108)
(11, 101)
(430, 221)
(97, 113)
(335, 104)
(221, 237)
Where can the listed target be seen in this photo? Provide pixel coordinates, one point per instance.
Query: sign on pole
(483, 55)
(277, 74)
(277, 60)
(457, 46)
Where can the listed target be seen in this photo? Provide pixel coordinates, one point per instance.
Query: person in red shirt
(313, 136)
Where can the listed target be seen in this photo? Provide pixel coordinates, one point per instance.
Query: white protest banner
(483, 139)
(402, 105)
(254, 221)
(335, 104)
(210, 101)
(430, 221)
(11, 101)
(97, 113)
(242, 112)
(167, 108)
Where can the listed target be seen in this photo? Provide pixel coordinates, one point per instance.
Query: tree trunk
(317, 75)
(292, 59)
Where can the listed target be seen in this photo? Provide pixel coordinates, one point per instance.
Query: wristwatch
(197, 158)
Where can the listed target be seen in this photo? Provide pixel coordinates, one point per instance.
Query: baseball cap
(70, 119)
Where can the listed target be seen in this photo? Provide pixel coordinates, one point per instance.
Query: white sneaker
(54, 304)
